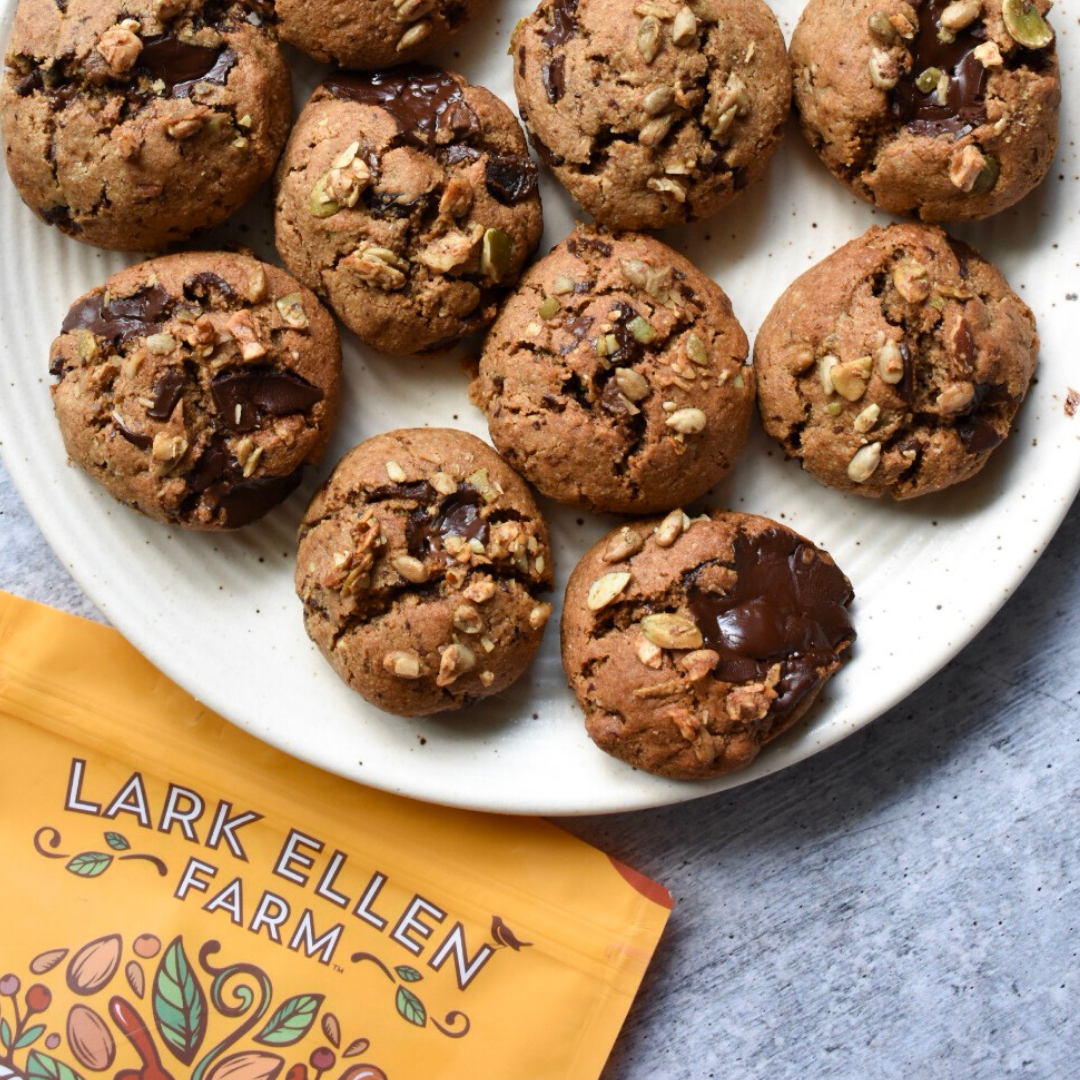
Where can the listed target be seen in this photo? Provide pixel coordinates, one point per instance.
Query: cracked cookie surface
(691, 643)
(615, 378)
(652, 114)
(130, 124)
(407, 199)
(195, 387)
(419, 566)
(943, 110)
(897, 364)
(367, 34)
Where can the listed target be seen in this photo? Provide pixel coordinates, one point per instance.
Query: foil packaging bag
(180, 900)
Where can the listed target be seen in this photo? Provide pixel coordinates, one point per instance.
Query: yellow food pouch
(180, 900)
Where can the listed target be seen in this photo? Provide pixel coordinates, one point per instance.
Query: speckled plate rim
(218, 616)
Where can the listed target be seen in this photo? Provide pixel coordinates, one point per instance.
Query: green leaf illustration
(116, 841)
(179, 1003)
(5, 1034)
(291, 1020)
(30, 1035)
(40, 1066)
(89, 863)
(411, 1007)
(409, 974)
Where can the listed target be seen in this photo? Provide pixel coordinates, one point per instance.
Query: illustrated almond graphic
(135, 977)
(250, 1065)
(94, 964)
(46, 961)
(90, 1039)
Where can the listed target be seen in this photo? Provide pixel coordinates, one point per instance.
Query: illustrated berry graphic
(38, 998)
(322, 1059)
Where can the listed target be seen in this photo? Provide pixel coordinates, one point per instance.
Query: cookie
(195, 387)
(419, 567)
(655, 114)
(130, 124)
(614, 378)
(897, 364)
(406, 198)
(370, 34)
(938, 110)
(691, 643)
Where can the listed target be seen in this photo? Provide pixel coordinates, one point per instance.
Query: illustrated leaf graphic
(249, 1065)
(357, 1046)
(116, 841)
(411, 1007)
(179, 1003)
(5, 1034)
(89, 863)
(40, 1066)
(291, 1021)
(30, 1035)
(409, 974)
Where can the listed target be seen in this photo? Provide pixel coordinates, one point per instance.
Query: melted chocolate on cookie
(167, 392)
(180, 65)
(244, 397)
(630, 350)
(458, 515)
(425, 101)
(203, 285)
(122, 318)
(789, 605)
(218, 478)
(563, 28)
(510, 177)
(136, 438)
(964, 107)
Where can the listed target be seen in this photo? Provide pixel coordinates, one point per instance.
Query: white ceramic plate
(218, 613)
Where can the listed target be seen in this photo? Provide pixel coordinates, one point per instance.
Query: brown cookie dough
(692, 643)
(419, 566)
(615, 377)
(655, 114)
(195, 387)
(369, 34)
(944, 110)
(895, 365)
(406, 198)
(132, 123)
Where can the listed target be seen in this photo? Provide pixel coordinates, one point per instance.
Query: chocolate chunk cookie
(692, 643)
(371, 34)
(895, 365)
(195, 387)
(614, 378)
(131, 123)
(652, 114)
(407, 199)
(944, 110)
(419, 566)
